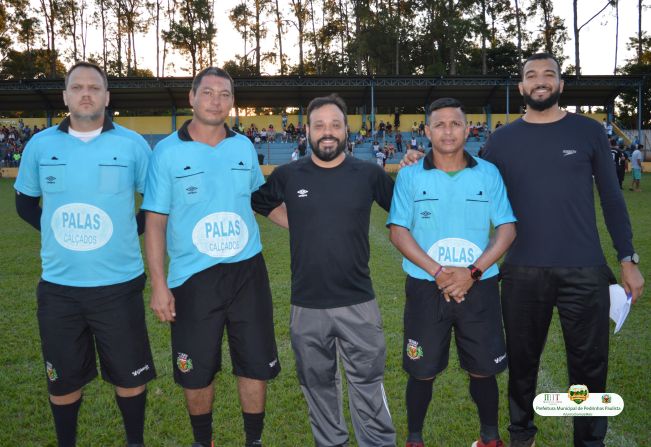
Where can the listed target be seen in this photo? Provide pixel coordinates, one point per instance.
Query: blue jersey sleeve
(501, 211)
(402, 207)
(27, 181)
(257, 179)
(158, 197)
(143, 154)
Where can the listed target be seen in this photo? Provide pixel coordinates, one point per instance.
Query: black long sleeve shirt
(548, 170)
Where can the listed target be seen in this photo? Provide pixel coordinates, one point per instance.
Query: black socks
(133, 416)
(419, 395)
(65, 422)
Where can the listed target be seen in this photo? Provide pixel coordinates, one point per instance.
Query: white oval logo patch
(81, 227)
(220, 235)
(454, 252)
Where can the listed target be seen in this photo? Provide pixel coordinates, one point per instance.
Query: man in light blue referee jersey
(86, 171)
(440, 220)
(198, 206)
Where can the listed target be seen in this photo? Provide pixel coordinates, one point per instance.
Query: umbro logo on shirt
(51, 179)
(567, 152)
(54, 157)
(192, 189)
(302, 192)
(480, 193)
(425, 214)
(187, 168)
(241, 163)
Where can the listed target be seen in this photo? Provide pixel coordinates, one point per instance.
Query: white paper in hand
(620, 305)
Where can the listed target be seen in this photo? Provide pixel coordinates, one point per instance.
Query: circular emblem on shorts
(51, 372)
(81, 227)
(414, 352)
(454, 251)
(220, 235)
(184, 363)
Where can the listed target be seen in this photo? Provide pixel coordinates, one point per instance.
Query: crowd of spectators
(288, 134)
(12, 142)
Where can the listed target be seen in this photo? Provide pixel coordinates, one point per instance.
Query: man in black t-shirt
(328, 198)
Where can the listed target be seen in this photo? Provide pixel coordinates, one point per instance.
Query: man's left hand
(632, 280)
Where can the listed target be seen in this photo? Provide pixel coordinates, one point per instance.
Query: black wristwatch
(475, 273)
(634, 258)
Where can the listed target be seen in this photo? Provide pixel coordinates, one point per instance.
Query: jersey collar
(64, 126)
(184, 133)
(428, 163)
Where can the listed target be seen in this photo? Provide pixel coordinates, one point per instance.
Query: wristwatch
(634, 258)
(475, 273)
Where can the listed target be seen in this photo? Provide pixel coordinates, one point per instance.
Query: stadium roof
(499, 93)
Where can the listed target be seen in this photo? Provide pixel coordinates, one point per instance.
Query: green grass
(451, 421)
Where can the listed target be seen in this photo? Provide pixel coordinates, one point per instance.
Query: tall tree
(193, 31)
(577, 31)
(239, 17)
(300, 17)
(279, 27)
(261, 8)
(616, 34)
(50, 10)
(639, 30)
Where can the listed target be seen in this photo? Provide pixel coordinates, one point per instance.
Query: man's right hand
(411, 157)
(162, 303)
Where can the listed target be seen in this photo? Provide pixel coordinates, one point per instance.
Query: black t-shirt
(619, 158)
(548, 171)
(329, 212)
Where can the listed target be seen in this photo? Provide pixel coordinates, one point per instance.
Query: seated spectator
(376, 146)
(390, 150)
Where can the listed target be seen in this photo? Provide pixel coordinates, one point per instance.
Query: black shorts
(236, 296)
(477, 324)
(73, 320)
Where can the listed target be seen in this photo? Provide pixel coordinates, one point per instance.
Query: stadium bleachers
(279, 153)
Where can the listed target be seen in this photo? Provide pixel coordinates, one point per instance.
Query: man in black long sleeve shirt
(548, 160)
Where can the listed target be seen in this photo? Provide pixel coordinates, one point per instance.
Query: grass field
(451, 421)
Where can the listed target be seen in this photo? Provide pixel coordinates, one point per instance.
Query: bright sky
(597, 38)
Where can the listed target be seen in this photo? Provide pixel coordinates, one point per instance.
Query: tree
(279, 27)
(193, 32)
(641, 66)
(34, 64)
(300, 15)
(50, 10)
(553, 34)
(577, 30)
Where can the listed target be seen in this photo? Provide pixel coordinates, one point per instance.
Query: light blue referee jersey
(89, 235)
(450, 216)
(206, 191)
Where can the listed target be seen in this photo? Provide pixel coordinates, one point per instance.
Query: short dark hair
(444, 103)
(540, 57)
(212, 71)
(321, 101)
(86, 64)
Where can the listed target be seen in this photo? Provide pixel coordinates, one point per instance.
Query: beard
(90, 117)
(328, 155)
(543, 104)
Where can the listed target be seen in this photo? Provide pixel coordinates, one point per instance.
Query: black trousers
(581, 296)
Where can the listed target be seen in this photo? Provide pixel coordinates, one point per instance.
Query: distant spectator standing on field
(636, 168)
